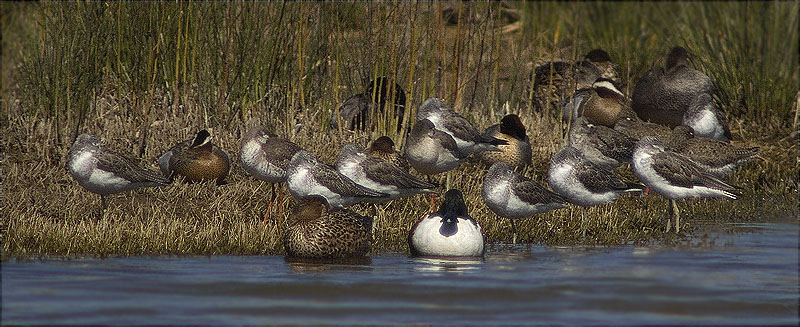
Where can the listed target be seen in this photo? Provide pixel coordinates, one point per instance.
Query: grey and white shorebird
(307, 176)
(581, 182)
(447, 232)
(103, 171)
(717, 157)
(266, 157)
(316, 231)
(431, 151)
(466, 136)
(599, 144)
(603, 104)
(675, 176)
(706, 120)
(377, 174)
(511, 195)
(663, 95)
(517, 152)
(383, 148)
(197, 159)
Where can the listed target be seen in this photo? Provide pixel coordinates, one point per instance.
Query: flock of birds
(670, 133)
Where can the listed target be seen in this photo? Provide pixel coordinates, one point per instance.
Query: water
(742, 278)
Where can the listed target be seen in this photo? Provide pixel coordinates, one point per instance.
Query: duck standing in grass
(196, 160)
(377, 174)
(603, 104)
(511, 195)
(266, 157)
(517, 152)
(102, 171)
(448, 232)
(315, 231)
(307, 176)
(675, 176)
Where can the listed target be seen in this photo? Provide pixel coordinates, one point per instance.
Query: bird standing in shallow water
(448, 232)
(517, 152)
(315, 231)
(511, 195)
(266, 156)
(103, 171)
(675, 176)
(196, 160)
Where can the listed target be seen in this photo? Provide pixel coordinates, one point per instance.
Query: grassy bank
(144, 76)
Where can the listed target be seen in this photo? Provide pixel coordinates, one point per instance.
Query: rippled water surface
(749, 277)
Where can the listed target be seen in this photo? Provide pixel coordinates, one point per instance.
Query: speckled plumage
(517, 152)
(197, 160)
(716, 157)
(599, 144)
(637, 129)
(383, 148)
(314, 231)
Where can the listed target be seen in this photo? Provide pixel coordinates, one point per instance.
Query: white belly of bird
(301, 184)
(466, 242)
(84, 169)
(563, 180)
(352, 170)
(502, 201)
(255, 164)
(643, 169)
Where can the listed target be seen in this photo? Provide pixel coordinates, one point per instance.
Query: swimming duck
(448, 232)
(315, 231)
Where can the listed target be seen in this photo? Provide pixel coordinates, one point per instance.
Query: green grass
(144, 76)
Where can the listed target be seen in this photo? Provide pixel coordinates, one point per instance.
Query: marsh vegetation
(144, 76)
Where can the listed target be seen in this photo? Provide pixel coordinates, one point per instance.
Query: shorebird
(431, 151)
(315, 231)
(196, 159)
(663, 95)
(554, 82)
(517, 152)
(583, 183)
(448, 232)
(102, 171)
(511, 195)
(307, 176)
(377, 174)
(599, 144)
(706, 120)
(383, 148)
(717, 157)
(635, 128)
(356, 110)
(467, 137)
(266, 157)
(602, 104)
(675, 176)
